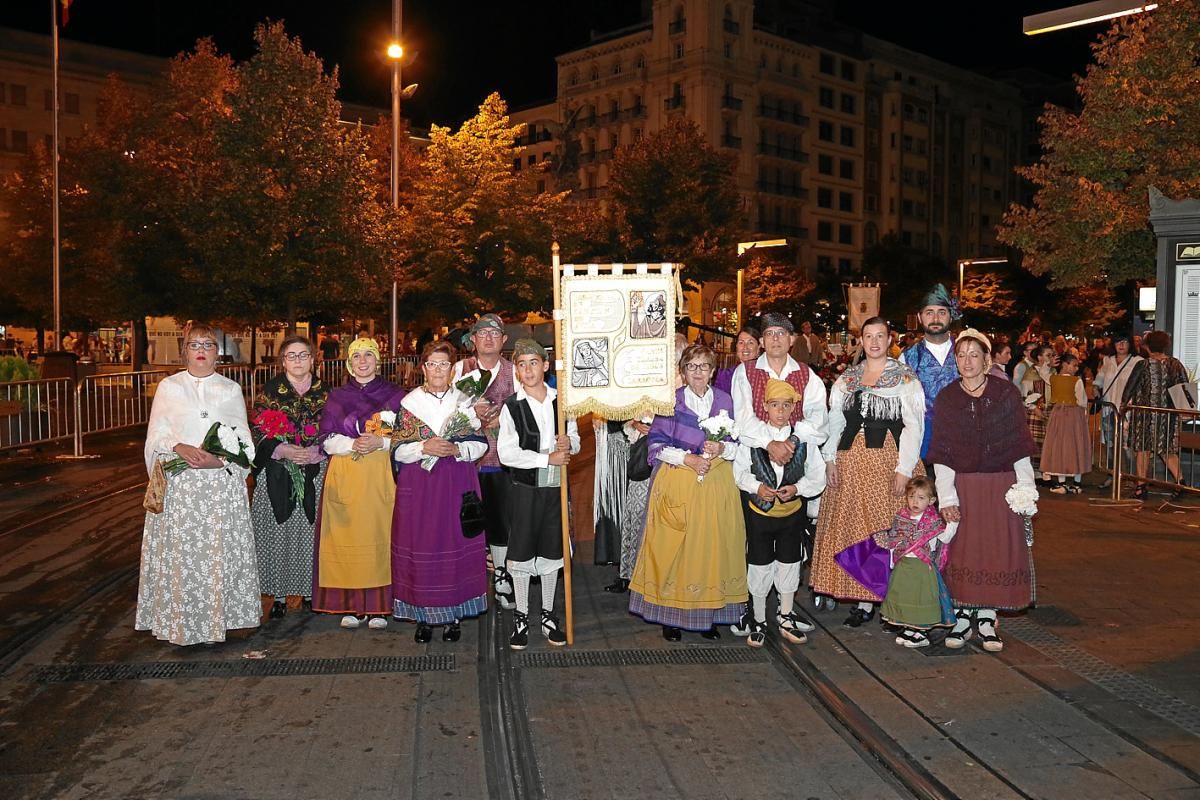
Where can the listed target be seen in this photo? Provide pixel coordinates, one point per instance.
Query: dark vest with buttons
(529, 435)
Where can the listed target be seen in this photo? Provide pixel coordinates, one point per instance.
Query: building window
(595, 73)
(825, 97)
(846, 202)
(16, 94)
(847, 136)
(922, 115)
(641, 61)
(541, 187)
(906, 176)
(678, 51)
(908, 110)
(20, 142)
(845, 234)
(849, 71)
(908, 143)
(616, 67)
(906, 238)
(906, 207)
(826, 64)
(872, 206)
(729, 49)
(2, 93)
(849, 105)
(532, 159)
(845, 266)
(825, 131)
(825, 164)
(517, 164)
(825, 198)
(825, 231)
(873, 138)
(985, 220)
(573, 80)
(3, 140)
(846, 169)
(824, 264)
(872, 171)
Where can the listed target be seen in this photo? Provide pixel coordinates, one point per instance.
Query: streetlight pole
(396, 53)
(54, 222)
(963, 263)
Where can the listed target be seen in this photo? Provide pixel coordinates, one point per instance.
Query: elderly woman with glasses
(352, 573)
(691, 569)
(198, 572)
(439, 572)
(289, 467)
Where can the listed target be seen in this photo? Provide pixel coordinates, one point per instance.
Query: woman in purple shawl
(352, 568)
(439, 576)
(691, 570)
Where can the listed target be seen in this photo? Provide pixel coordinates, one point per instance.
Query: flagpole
(54, 172)
(561, 372)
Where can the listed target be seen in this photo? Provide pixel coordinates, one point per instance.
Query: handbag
(156, 490)
(638, 468)
(470, 516)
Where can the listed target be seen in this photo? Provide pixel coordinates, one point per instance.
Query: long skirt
(285, 550)
(691, 571)
(990, 566)
(1068, 446)
(199, 574)
(438, 575)
(633, 525)
(352, 553)
(612, 460)
(915, 596)
(861, 504)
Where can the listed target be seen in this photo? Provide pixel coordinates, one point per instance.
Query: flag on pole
(66, 7)
(863, 302)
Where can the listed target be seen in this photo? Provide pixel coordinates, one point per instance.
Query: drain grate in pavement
(1113, 680)
(642, 658)
(242, 668)
(1054, 616)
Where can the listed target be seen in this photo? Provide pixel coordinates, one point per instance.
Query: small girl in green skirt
(917, 599)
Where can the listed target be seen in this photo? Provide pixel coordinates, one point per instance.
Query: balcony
(674, 103)
(731, 26)
(788, 153)
(587, 158)
(783, 189)
(634, 112)
(734, 142)
(732, 103)
(592, 192)
(611, 116)
(791, 231)
(783, 115)
(540, 136)
(678, 26)
(604, 155)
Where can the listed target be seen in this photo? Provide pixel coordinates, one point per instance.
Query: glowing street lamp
(963, 263)
(395, 51)
(1084, 14)
(744, 247)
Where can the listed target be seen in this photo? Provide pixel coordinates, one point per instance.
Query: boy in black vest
(533, 456)
(774, 495)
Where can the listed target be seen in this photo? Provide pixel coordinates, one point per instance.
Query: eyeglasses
(489, 333)
(698, 367)
(293, 357)
(775, 333)
(198, 346)
(437, 364)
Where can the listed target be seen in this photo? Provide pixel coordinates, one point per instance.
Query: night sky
(470, 47)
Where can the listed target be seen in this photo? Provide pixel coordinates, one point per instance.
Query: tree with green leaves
(1136, 129)
(477, 234)
(674, 198)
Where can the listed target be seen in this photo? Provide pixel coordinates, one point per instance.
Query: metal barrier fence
(57, 409)
(1158, 447)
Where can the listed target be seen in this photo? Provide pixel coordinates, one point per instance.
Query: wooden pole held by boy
(560, 372)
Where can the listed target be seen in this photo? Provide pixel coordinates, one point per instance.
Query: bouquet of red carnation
(273, 424)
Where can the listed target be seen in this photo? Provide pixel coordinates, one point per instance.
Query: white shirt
(434, 413)
(185, 407)
(939, 350)
(1112, 378)
(810, 485)
(753, 431)
(702, 408)
(508, 444)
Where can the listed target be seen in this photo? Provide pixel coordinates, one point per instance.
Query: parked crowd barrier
(1162, 424)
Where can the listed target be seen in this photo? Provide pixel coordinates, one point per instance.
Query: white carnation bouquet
(223, 441)
(1023, 501)
(717, 428)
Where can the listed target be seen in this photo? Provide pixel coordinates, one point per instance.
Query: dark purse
(638, 468)
(470, 516)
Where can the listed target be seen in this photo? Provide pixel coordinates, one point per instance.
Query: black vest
(763, 469)
(529, 435)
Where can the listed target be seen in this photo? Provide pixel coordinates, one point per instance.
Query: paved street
(1094, 695)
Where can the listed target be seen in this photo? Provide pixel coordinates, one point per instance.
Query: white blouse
(434, 412)
(185, 407)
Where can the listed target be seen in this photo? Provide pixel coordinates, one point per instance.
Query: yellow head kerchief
(362, 346)
(780, 390)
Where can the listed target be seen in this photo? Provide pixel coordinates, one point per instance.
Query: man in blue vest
(932, 358)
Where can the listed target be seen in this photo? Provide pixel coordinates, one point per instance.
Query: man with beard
(932, 358)
(487, 334)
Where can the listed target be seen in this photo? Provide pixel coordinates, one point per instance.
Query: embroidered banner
(618, 341)
(863, 303)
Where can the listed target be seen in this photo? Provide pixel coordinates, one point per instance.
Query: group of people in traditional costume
(892, 484)
(362, 493)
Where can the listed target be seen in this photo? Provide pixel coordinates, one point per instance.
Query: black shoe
(551, 631)
(451, 633)
(858, 617)
(279, 609)
(1139, 492)
(307, 604)
(672, 634)
(520, 635)
(619, 586)
(424, 633)
(711, 634)
(502, 586)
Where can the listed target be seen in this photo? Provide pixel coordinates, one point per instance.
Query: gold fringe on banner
(621, 413)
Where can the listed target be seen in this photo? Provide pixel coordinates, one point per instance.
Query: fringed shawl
(683, 430)
(980, 434)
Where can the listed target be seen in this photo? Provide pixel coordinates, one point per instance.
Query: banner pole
(561, 373)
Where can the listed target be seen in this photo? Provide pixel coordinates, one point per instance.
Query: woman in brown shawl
(981, 447)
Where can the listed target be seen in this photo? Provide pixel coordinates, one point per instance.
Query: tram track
(32, 519)
(509, 757)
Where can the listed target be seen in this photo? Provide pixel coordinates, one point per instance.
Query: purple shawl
(683, 430)
(350, 406)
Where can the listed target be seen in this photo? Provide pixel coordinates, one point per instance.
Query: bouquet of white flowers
(222, 441)
(1023, 501)
(717, 428)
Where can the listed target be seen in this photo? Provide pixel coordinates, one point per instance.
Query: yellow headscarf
(780, 390)
(360, 346)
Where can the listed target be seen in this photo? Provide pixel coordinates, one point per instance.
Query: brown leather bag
(156, 490)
